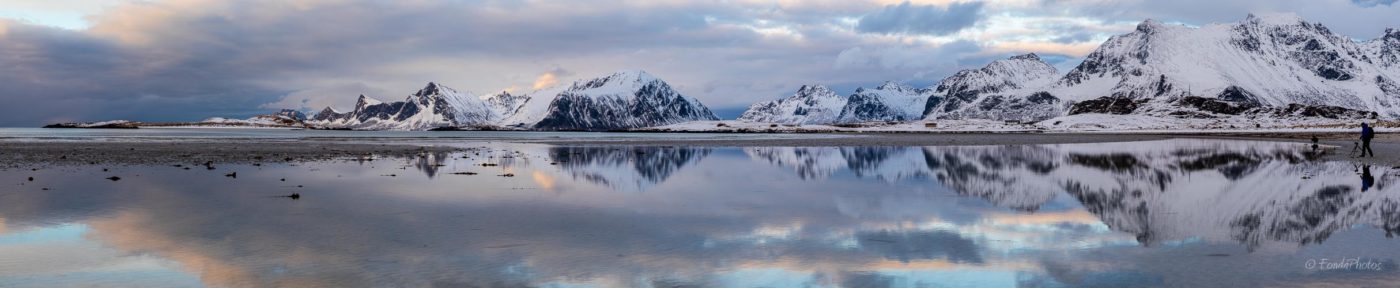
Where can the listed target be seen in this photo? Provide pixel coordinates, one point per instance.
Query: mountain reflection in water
(1162, 213)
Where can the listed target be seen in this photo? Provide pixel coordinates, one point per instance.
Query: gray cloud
(53, 74)
(188, 59)
(334, 96)
(906, 18)
(165, 61)
(915, 64)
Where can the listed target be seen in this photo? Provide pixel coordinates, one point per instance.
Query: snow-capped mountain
(505, 104)
(816, 104)
(434, 106)
(1003, 90)
(627, 99)
(812, 104)
(1275, 64)
(889, 102)
(1007, 89)
(1271, 66)
(1386, 51)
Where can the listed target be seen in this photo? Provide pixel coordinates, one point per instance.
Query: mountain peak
(815, 88)
(364, 101)
(633, 75)
(1274, 19)
(811, 104)
(327, 114)
(431, 89)
(620, 79)
(1027, 56)
(633, 72)
(894, 86)
(291, 114)
(1147, 26)
(1391, 33)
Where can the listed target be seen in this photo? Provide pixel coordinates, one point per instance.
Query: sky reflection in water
(1162, 213)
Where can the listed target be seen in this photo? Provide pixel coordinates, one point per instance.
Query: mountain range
(1264, 67)
(1270, 65)
(628, 99)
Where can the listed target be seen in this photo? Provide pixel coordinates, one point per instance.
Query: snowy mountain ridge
(434, 106)
(998, 90)
(811, 104)
(1258, 65)
(628, 99)
(1275, 66)
(890, 101)
(1006, 89)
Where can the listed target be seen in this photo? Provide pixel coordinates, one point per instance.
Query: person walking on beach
(1366, 135)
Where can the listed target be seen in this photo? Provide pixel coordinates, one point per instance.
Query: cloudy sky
(161, 60)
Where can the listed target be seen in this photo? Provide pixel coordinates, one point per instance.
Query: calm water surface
(169, 134)
(1186, 213)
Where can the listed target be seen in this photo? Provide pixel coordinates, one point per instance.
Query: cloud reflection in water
(1046, 215)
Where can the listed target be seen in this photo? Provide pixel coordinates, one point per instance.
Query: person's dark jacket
(1367, 133)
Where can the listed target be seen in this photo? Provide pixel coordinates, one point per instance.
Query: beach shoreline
(33, 152)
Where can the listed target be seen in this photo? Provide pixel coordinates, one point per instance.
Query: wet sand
(193, 153)
(31, 153)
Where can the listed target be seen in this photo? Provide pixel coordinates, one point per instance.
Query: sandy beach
(33, 154)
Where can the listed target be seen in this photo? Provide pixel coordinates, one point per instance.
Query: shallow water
(1193, 213)
(167, 134)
